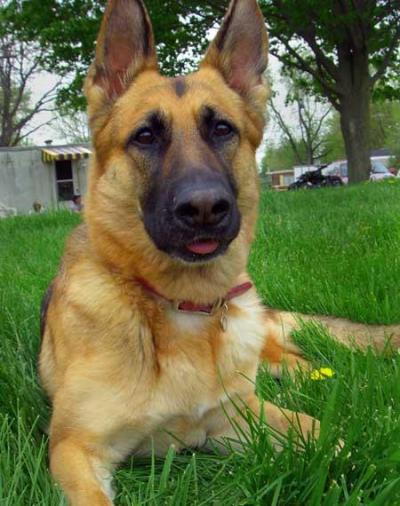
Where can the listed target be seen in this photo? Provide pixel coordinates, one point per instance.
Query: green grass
(328, 251)
(332, 252)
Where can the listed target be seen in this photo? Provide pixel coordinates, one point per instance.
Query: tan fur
(125, 371)
(356, 335)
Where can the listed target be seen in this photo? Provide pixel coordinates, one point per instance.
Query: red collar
(187, 305)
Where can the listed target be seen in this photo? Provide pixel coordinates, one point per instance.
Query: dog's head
(173, 186)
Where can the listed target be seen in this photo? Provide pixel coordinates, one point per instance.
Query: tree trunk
(355, 115)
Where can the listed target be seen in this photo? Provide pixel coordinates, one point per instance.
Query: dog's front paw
(288, 362)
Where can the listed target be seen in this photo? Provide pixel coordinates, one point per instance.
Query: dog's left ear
(240, 49)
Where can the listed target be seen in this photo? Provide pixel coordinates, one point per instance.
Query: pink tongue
(203, 247)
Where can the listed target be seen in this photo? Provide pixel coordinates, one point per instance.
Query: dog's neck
(191, 307)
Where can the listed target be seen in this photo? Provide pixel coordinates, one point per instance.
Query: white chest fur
(242, 338)
(198, 377)
(246, 327)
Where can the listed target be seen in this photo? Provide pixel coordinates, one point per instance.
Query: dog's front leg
(231, 420)
(279, 350)
(83, 473)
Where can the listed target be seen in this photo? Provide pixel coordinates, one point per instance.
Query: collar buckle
(218, 304)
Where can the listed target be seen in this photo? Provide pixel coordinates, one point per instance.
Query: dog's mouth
(204, 247)
(200, 250)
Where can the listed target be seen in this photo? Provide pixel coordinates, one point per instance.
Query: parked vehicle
(340, 169)
(379, 171)
(315, 179)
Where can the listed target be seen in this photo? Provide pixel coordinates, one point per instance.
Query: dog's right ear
(239, 53)
(125, 47)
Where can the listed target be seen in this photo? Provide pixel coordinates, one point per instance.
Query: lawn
(328, 251)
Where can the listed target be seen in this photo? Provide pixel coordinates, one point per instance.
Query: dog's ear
(125, 47)
(240, 49)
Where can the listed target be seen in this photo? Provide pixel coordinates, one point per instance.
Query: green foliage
(318, 31)
(68, 30)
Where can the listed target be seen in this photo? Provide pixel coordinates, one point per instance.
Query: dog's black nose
(203, 206)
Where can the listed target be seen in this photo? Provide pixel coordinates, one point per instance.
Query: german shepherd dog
(152, 327)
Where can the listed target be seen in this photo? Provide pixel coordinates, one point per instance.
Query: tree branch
(34, 129)
(331, 91)
(286, 131)
(45, 99)
(309, 35)
(387, 58)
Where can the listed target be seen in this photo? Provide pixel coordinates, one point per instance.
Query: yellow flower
(322, 373)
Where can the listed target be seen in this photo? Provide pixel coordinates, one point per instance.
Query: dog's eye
(145, 137)
(222, 129)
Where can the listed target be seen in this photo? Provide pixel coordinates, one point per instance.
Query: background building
(48, 174)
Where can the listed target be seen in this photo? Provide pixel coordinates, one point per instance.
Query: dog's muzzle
(194, 219)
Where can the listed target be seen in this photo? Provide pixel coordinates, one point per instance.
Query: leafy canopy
(304, 35)
(67, 30)
(317, 38)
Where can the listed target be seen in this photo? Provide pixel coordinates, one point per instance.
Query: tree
(304, 132)
(72, 126)
(347, 46)
(385, 133)
(280, 156)
(333, 139)
(67, 31)
(384, 126)
(17, 67)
